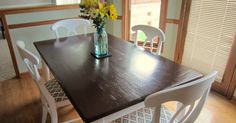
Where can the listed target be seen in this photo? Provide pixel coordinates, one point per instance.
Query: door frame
(182, 30)
(228, 84)
(230, 71)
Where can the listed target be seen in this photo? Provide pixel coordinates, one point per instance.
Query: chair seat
(55, 90)
(144, 115)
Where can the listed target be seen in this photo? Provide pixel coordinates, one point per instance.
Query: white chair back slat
(70, 25)
(192, 95)
(151, 33)
(31, 62)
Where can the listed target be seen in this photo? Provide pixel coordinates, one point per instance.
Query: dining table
(103, 89)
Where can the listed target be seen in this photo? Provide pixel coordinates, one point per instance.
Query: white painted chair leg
(46, 71)
(157, 112)
(181, 114)
(44, 114)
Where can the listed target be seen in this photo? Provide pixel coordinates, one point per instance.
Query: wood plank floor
(20, 103)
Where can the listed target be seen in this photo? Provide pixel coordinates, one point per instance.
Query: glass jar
(100, 42)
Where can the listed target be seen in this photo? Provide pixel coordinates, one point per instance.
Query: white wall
(115, 27)
(36, 33)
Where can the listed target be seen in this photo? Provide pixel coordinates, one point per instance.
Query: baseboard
(1, 36)
(28, 74)
(233, 100)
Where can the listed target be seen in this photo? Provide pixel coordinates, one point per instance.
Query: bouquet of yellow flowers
(98, 11)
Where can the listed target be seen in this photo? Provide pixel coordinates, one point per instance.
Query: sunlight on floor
(216, 110)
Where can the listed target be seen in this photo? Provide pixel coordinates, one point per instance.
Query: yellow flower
(112, 12)
(102, 9)
(100, 5)
(98, 11)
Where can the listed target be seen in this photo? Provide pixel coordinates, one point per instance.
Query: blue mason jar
(100, 42)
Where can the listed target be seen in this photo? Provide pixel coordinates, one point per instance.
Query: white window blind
(64, 2)
(211, 28)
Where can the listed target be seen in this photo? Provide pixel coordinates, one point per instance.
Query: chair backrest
(31, 62)
(192, 96)
(151, 33)
(70, 25)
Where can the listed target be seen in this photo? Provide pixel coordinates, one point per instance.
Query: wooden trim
(39, 23)
(182, 30)
(10, 46)
(39, 9)
(163, 18)
(125, 19)
(233, 100)
(41, 73)
(217, 86)
(232, 85)
(119, 18)
(163, 15)
(228, 84)
(1, 27)
(229, 77)
(174, 21)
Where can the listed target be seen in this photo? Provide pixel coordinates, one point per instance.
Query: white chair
(52, 95)
(70, 25)
(151, 33)
(192, 96)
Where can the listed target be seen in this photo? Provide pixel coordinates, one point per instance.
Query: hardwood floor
(20, 103)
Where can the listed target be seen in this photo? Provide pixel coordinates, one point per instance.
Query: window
(64, 2)
(144, 12)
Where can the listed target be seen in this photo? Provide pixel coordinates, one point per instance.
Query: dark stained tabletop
(97, 88)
